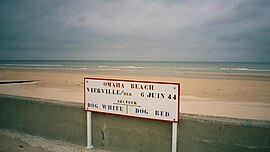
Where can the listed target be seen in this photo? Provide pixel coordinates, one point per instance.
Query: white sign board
(151, 100)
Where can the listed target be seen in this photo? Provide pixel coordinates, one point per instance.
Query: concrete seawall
(67, 122)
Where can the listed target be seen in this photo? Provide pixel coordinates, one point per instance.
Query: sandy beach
(217, 94)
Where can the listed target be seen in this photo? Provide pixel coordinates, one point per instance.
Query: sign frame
(136, 81)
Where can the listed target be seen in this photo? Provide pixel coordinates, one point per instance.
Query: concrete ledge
(67, 122)
(50, 119)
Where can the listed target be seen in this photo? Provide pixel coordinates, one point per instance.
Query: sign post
(141, 99)
(89, 130)
(174, 137)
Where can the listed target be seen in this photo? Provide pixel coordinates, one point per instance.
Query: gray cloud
(232, 30)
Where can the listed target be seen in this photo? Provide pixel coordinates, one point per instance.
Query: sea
(174, 68)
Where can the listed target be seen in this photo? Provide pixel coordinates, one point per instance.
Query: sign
(143, 99)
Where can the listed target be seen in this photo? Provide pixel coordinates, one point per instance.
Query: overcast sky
(171, 30)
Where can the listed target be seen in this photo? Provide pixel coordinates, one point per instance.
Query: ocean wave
(112, 69)
(130, 67)
(102, 66)
(83, 68)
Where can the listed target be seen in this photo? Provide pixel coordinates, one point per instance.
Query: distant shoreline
(166, 68)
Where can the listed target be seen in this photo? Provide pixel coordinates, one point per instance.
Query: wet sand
(217, 94)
